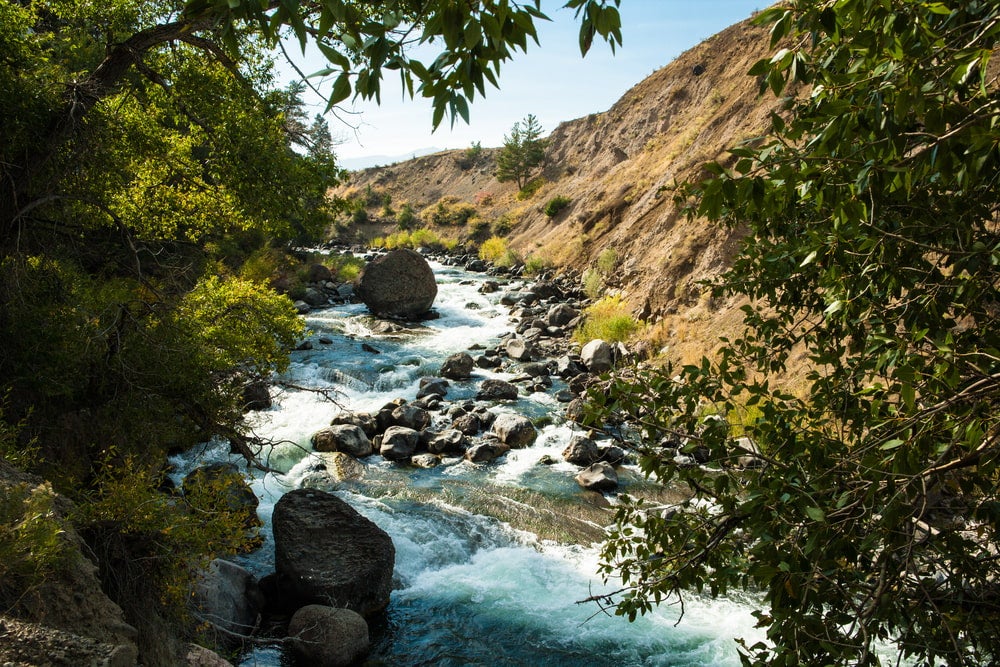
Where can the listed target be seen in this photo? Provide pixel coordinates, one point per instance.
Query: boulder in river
(228, 597)
(486, 450)
(496, 390)
(324, 636)
(397, 284)
(597, 356)
(581, 451)
(399, 443)
(514, 431)
(348, 438)
(458, 366)
(327, 553)
(598, 477)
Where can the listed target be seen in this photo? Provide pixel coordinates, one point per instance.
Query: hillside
(618, 168)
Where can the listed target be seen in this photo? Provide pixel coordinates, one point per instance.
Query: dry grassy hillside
(618, 169)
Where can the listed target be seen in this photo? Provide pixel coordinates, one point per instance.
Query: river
(491, 560)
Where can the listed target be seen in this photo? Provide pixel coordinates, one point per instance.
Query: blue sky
(551, 81)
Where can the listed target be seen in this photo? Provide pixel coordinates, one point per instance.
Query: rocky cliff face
(618, 168)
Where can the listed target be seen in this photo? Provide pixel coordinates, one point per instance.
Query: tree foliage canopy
(146, 152)
(523, 150)
(869, 516)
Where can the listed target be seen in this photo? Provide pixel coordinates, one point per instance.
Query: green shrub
(593, 283)
(535, 265)
(479, 229)
(502, 226)
(359, 216)
(609, 320)
(607, 261)
(555, 205)
(448, 211)
(530, 188)
(346, 267)
(405, 217)
(33, 545)
(495, 250)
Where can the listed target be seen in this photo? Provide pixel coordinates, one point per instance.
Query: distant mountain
(356, 163)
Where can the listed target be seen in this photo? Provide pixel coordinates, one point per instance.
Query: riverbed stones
(329, 469)
(581, 451)
(514, 431)
(496, 390)
(228, 597)
(449, 441)
(458, 366)
(399, 443)
(518, 348)
(597, 356)
(486, 450)
(411, 416)
(561, 315)
(363, 420)
(397, 284)
(327, 553)
(323, 636)
(348, 438)
(599, 476)
(430, 386)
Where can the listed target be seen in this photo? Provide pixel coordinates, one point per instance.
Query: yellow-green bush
(608, 320)
(448, 211)
(495, 250)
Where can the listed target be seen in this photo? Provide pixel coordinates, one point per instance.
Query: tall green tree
(862, 507)
(522, 153)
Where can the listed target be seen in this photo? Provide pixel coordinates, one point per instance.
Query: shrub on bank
(608, 320)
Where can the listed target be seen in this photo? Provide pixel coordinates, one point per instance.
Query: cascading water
(469, 588)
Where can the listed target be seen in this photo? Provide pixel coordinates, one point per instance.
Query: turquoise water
(469, 590)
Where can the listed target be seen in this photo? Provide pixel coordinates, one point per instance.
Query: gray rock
(514, 431)
(430, 386)
(399, 443)
(411, 416)
(496, 390)
(458, 366)
(518, 349)
(256, 396)
(467, 424)
(317, 273)
(425, 460)
(399, 284)
(315, 297)
(348, 438)
(597, 356)
(486, 451)
(301, 307)
(600, 476)
(324, 636)
(581, 451)
(228, 597)
(449, 441)
(362, 419)
(560, 315)
(327, 553)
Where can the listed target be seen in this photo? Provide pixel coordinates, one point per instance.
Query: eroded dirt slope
(619, 168)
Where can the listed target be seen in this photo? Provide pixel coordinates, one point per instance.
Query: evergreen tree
(523, 151)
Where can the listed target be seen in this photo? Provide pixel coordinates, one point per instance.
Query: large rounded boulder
(397, 284)
(328, 637)
(326, 553)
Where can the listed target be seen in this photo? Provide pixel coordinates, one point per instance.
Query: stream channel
(491, 559)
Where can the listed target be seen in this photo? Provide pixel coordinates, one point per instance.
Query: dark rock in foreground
(326, 553)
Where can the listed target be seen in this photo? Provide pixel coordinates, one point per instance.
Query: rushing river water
(470, 589)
